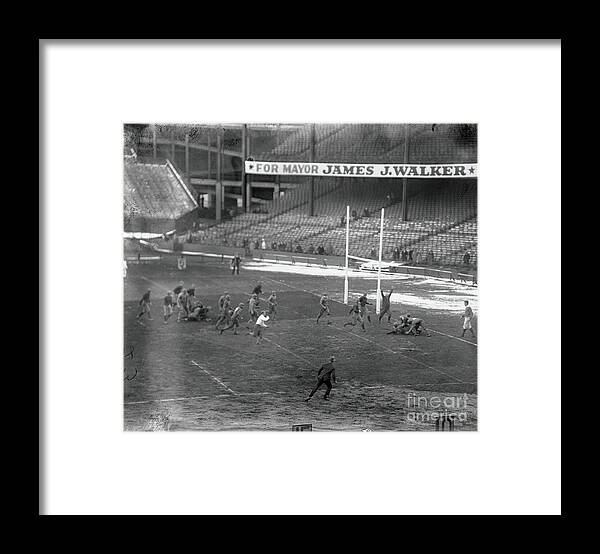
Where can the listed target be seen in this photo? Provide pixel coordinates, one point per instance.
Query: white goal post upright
(357, 258)
(378, 303)
(347, 245)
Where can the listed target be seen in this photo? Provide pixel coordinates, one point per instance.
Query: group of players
(404, 325)
(190, 308)
(231, 318)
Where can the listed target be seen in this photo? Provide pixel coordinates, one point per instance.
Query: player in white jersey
(468, 318)
(261, 323)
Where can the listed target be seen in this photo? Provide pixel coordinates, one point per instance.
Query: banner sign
(413, 171)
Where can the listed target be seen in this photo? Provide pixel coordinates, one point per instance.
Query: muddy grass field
(185, 376)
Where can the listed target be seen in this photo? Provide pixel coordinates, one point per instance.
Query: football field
(186, 376)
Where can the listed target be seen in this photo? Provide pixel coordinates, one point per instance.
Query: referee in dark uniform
(325, 376)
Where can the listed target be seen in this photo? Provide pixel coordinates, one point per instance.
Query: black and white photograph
(300, 277)
(354, 239)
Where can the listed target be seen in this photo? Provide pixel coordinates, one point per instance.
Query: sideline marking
(216, 379)
(450, 336)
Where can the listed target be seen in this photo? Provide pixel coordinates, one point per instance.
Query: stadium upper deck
(436, 218)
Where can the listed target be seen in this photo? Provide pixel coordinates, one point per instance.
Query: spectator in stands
(410, 255)
(256, 245)
(354, 215)
(366, 213)
(467, 258)
(396, 254)
(311, 249)
(320, 250)
(404, 255)
(343, 221)
(263, 244)
(418, 257)
(373, 253)
(273, 245)
(299, 249)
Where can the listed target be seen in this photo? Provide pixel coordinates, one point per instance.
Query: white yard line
(398, 353)
(216, 379)
(184, 398)
(288, 351)
(154, 283)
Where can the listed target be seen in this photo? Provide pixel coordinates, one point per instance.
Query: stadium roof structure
(156, 191)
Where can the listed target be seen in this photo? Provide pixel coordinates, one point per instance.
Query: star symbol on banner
(471, 170)
(251, 166)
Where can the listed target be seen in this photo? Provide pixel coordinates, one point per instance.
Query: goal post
(357, 258)
(347, 246)
(378, 302)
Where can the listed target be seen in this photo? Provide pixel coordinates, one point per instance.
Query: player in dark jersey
(324, 308)
(325, 376)
(191, 298)
(178, 289)
(408, 325)
(355, 316)
(145, 304)
(257, 289)
(235, 320)
(182, 305)
(198, 312)
(272, 301)
(167, 306)
(221, 300)
(386, 307)
(253, 309)
(363, 302)
(224, 310)
(416, 327)
(400, 326)
(235, 264)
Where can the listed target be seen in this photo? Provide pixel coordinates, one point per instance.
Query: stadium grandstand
(192, 181)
